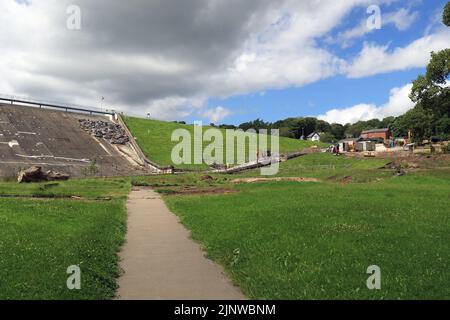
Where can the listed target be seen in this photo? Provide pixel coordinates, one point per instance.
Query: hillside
(154, 138)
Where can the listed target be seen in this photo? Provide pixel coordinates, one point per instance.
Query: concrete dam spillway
(55, 140)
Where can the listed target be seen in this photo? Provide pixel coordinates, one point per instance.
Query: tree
(286, 132)
(227, 126)
(431, 91)
(418, 120)
(443, 128)
(306, 125)
(338, 131)
(322, 126)
(446, 16)
(327, 137)
(355, 129)
(387, 122)
(255, 124)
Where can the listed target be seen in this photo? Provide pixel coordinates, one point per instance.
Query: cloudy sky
(225, 61)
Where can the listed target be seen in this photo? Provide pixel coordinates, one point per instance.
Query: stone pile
(35, 174)
(112, 132)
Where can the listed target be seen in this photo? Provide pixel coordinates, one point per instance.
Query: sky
(221, 61)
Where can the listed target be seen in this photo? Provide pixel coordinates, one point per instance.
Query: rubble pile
(35, 174)
(106, 130)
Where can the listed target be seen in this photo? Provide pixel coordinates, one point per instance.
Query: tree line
(303, 126)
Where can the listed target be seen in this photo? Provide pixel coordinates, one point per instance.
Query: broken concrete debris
(35, 174)
(112, 132)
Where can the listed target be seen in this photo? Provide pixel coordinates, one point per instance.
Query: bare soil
(296, 179)
(193, 191)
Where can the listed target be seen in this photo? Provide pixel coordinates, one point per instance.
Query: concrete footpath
(159, 259)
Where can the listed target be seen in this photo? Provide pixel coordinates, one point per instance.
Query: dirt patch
(410, 161)
(295, 179)
(346, 179)
(206, 178)
(196, 191)
(405, 163)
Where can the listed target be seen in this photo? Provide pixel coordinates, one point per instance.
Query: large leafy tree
(418, 120)
(338, 131)
(355, 129)
(446, 17)
(432, 91)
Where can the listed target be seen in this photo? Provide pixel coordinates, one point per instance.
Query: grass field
(326, 166)
(277, 240)
(154, 138)
(315, 240)
(40, 238)
(290, 240)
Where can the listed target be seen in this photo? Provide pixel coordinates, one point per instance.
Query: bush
(446, 149)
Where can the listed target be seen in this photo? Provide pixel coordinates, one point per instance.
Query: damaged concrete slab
(55, 140)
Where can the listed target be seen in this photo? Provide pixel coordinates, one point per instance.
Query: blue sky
(339, 91)
(316, 98)
(221, 61)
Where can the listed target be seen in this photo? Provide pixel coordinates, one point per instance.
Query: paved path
(159, 259)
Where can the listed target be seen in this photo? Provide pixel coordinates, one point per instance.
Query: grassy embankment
(154, 138)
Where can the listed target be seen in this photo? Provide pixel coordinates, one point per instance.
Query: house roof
(375, 130)
(312, 135)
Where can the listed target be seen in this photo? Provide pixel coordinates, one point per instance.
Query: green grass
(277, 240)
(154, 138)
(289, 240)
(41, 238)
(326, 165)
(89, 188)
(318, 165)
(315, 240)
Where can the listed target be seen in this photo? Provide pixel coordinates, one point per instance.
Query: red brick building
(384, 134)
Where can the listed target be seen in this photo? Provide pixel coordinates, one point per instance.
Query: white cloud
(171, 108)
(351, 114)
(375, 59)
(402, 19)
(216, 115)
(399, 102)
(160, 56)
(167, 58)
